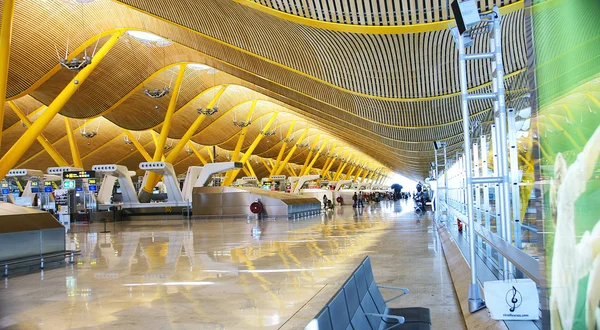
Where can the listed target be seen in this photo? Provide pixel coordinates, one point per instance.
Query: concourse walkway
(227, 274)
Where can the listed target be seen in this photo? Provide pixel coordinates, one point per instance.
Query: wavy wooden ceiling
(373, 12)
(388, 96)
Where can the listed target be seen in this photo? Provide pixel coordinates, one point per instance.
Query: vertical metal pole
(514, 176)
(499, 198)
(477, 192)
(503, 152)
(486, 189)
(475, 300)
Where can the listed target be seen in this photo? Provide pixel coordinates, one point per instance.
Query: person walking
(360, 199)
(354, 200)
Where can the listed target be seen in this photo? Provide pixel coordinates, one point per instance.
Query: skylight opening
(149, 38)
(199, 67)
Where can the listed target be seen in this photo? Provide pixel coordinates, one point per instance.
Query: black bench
(359, 305)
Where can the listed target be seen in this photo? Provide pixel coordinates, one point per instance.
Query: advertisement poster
(567, 73)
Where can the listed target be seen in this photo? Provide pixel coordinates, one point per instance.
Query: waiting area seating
(359, 305)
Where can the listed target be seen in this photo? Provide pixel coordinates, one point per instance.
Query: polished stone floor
(230, 274)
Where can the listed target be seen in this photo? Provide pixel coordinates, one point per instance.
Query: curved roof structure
(379, 81)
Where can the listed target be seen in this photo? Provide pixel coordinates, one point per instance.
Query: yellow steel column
(370, 178)
(264, 162)
(283, 146)
(18, 149)
(58, 159)
(197, 153)
(5, 36)
(193, 128)
(310, 153)
(365, 174)
(349, 173)
(73, 144)
(341, 167)
(317, 154)
(152, 178)
(292, 170)
(357, 175)
(331, 162)
(246, 171)
(138, 146)
(290, 153)
(250, 150)
(329, 159)
(242, 137)
(240, 142)
(250, 168)
(289, 172)
(210, 154)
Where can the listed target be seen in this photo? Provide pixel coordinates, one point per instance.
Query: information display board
(79, 175)
(35, 187)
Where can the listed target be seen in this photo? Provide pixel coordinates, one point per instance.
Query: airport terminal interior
(300, 164)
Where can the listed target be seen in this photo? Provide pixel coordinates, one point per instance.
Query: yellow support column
(317, 154)
(250, 168)
(292, 170)
(357, 175)
(152, 178)
(240, 142)
(341, 167)
(193, 128)
(264, 162)
(329, 159)
(5, 36)
(283, 146)
(18, 149)
(197, 153)
(58, 159)
(138, 146)
(349, 173)
(310, 153)
(210, 154)
(290, 153)
(364, 176)
(73, 144)
(328, 167)
(250, 150)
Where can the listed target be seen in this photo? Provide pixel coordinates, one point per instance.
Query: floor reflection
(201, 274)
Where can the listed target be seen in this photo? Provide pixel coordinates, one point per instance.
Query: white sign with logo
(512, 299)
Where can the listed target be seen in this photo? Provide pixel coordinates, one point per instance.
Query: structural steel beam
(193, 127)
(197, 153)
(341, 167)
(5, 37)
(138, 146)
(73, 144)
(264, 162)
(283, 146)
(310, 153)
(292, 170)
(291, 153)
(250, 150)
(328, 168)
(240, 142)
(174, 153)
(250, 168)
(18, 149)
(153, 178)
(58, 159)
(210, 154)
(317, 154)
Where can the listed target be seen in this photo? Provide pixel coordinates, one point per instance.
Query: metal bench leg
(42, 263)
(71, 257)
(6, 270)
